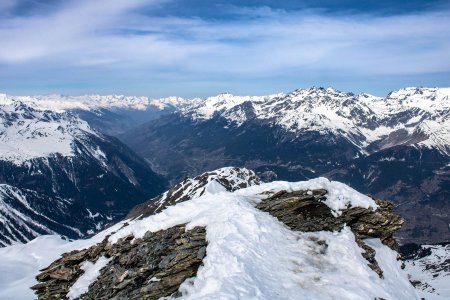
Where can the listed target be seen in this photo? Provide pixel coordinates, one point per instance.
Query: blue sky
(203, 47)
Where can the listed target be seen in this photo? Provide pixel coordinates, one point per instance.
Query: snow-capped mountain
(413, 113)
(110, 114)
(396, 147)
(27, 133)
(58, 175)
(94, 102)
(253, 242)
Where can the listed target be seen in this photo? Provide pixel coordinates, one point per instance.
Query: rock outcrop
(147, 268)
(306, 211)
(157, 264)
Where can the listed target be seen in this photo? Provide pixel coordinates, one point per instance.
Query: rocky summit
(156, 256)
(227, 179)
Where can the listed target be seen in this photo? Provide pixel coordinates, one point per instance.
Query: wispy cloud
(107, 35)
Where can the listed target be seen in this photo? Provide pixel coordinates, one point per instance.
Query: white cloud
(100, 34)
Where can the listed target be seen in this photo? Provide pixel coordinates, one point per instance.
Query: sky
(197, 48)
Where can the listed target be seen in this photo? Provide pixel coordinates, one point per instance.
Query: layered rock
(306, 211)
(147, 268)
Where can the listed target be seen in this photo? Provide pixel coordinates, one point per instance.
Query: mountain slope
(54, 166)
(110, 114)
(26, 214)
(395, 147)
(429, 268)
(251, 250)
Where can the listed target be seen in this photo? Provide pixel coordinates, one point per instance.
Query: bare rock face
(147, 268)
(305, 211)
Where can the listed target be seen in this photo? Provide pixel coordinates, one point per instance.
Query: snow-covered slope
(58, 175)
(249, 255)
(20, 263)
(429, 269)
(27, 133)
(422, 113)
(224, 179)
(26, 214)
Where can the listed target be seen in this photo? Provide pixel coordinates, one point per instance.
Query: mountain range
(58, 175)
(394, 147)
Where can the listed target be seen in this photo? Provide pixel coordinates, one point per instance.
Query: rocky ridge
(148, 268)
(228, 179)
(305, 211)
(158, 264)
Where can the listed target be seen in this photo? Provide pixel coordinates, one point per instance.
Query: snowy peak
(429, 99)
(227, 179)
(360, 119)
(319, 93)
(204, 109)
(299, 109)
(27, 133)
(93, 102)
(254, 241)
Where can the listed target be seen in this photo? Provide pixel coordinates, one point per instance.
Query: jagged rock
(147, 268)
(231, 179)
(306, 211)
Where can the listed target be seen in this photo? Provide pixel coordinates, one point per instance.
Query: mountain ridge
(397, 151)
(58, 175)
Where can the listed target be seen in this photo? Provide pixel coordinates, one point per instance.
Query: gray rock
(306, 211)
(149, 268)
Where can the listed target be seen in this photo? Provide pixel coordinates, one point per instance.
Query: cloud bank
(105, 41)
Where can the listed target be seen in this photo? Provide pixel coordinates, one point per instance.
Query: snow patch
(91, 272)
